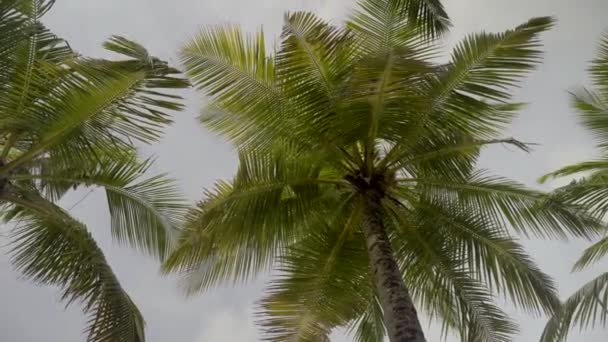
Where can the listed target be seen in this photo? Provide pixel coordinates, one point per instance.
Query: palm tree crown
(357, 183)
(68, 121)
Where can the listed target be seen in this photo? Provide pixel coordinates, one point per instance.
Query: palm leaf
(144, 213)
(593, 109)
(429, 15)
(599, 66)
(472, 89)
(236, 73)
(527, 211)
(268, 205)
(593, 254)
(443, 287)
(588, 306)
(52, 248)
(321, 287)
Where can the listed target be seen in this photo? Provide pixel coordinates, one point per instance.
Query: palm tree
(357, 184)
(68, 121)
(589, 305)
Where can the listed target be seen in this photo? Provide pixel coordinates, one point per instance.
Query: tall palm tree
(68, 121)
(589, 305)
(357, 184)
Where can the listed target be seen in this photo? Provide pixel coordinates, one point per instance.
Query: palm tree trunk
(400, 316)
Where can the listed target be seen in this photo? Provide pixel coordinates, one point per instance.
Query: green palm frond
(593, 254)
(99, 101)
(429, 15)
(593, 109)
(310, 68)
(527, 211)
(440, 281)
(145, 213)
(320, 286)
(588, 306)
(494, 258)
(14, 28)
(382, 24)
(52, 248)
(237, 74)
(593, 165)
(471, 91)
(268, 204)
(369, 327)
(599, 66)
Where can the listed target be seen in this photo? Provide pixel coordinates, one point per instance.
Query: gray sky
(196, 158)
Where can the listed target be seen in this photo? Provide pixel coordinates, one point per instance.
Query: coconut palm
(589, 305)
(68, 121)
(357, 184)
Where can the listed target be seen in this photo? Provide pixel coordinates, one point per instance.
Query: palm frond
(494, 257)
(267, 205)
(29, 73)
(52, 248)
(527, 211)
(78, 101)
(369, 327)
(144, 213)
(589, 192)
(599, 66)
(311, 65)
(588, 306)
(593, 254)
(588, 166)
(428, 15)
(593, 112)
(14, 28)
(387, 24)
(472, 90)
(320, 285)
(235, 71)
(440, 282)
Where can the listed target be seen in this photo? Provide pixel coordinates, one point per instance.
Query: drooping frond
(145, 213)
(588, 306)
(493, 257)
(439, 280)
(52, 248)
(320, 285)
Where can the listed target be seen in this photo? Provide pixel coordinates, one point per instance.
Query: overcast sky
(196, 158)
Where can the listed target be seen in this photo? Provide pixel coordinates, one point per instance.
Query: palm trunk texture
(400, 316)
